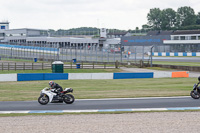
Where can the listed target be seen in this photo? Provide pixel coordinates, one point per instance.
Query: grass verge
(177, 63)
(65, 71)
(95, 89)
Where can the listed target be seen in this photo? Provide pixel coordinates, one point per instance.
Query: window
(193, 37)
(3, 27)
(176, 37)
(182, 37)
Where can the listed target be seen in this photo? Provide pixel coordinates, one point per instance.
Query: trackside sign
(143, 40)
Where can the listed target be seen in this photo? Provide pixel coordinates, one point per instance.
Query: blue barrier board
(132, 75)
(41, 76)
(55, 76)
(30, 76)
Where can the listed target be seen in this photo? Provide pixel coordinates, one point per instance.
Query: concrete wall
(162, 75)
(90, 76)
(132, 75)
(41, 76)
(102, 75)
(79, 76)
(8, 77)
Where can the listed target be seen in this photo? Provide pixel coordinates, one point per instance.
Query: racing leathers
(58, 88)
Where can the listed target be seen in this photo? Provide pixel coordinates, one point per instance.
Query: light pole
(151, 54)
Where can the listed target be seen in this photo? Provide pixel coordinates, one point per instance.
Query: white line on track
(133, 98)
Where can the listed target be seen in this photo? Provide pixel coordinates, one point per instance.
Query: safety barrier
(175, 53)
(8, 77)
(162, 74)
(73, 76)
(180, 74)
(132, 75)
(41, 76)
(90, 76)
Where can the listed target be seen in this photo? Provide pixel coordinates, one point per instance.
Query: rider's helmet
(51, 83)
(199, 78)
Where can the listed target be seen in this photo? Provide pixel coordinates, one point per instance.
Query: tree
(186, 16)
(168, 17)
(198, 18)
(154, 18)
(145, 26)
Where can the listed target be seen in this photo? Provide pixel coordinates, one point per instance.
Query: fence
(83, 65)
(78, 52)
(41, 66)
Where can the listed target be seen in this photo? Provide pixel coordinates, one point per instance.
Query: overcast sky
(66, 14)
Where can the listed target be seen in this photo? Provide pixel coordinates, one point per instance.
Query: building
(3, 26)
(117, 34)
(184, 41)
(167, 41)
(41, 38)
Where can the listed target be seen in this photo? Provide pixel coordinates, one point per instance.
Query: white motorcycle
(48, 95)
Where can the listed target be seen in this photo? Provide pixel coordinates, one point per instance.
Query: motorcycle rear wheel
(69, 99)
(193, 95)
(43, 99)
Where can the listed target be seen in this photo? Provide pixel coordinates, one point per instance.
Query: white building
(38, 37)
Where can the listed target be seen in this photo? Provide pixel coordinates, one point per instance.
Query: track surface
(165, 102)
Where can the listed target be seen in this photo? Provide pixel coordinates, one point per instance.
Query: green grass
(159, 68)
(19, 60)
(65, 71)
(84, 89)
(177, 63)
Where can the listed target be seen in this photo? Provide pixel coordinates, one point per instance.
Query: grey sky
(65, 14)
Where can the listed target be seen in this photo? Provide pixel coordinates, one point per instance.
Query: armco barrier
(41, 76)
(8, 77)
(132, 75)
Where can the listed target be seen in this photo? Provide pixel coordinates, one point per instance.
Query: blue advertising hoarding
(144, 40)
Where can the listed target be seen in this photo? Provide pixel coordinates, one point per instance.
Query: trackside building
(185, 42)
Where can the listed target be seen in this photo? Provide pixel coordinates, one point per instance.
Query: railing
(41, 66)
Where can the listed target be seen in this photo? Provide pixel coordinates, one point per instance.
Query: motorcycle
(48, 95)
(195, 93)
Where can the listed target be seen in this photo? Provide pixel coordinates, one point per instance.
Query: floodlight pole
(121, 51)
(151, 54)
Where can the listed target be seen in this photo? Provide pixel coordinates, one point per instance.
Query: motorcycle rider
(57, 87)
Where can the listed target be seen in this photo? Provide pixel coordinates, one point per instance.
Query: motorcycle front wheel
(69, 99)
(193, 95)
(43, 99)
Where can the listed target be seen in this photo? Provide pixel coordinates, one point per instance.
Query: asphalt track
(103, 104)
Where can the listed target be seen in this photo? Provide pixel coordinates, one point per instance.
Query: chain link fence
(85, 53)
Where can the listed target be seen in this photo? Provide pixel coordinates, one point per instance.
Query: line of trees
(81, 31)
(168, 19)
